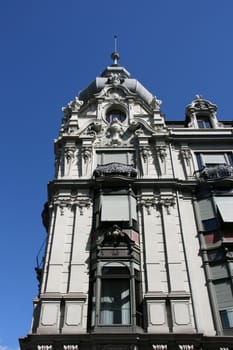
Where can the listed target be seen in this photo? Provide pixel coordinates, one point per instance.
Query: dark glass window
(227, 318)
(210, 224)
(203, 122)
(115, 301)
(115, 115)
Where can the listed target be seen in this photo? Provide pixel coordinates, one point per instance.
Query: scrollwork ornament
(115, 79)
(145, 152)
(162, 152)
(86, 153)
(69, 154)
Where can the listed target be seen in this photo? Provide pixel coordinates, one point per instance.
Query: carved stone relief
(161, 151)
(70, 203)
(159, 346)
(186, 347)
(71, 347)
(44, 347)
(167, 202)
(157, 202)
(186, 157)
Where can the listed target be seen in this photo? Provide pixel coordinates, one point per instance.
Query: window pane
(210, 224)
(115, 208)
(203, 122)
(227, 318)
(115, 302)
(214, 158)
(224, 294)
(225, 205)
(206, 209)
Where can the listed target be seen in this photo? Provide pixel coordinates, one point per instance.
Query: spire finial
(115, 55)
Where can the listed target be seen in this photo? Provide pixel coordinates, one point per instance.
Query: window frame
(203, 122)
(133, 279)
(200, 158)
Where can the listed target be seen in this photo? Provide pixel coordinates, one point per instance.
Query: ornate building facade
(139, 225)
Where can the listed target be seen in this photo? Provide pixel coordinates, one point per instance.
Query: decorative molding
(161, 151)
(70, 347)
(186, 155)
(155, 104)
(69, 153)
(115, 131)
(44, 347)
(145, 153)
(149, 203)
(71, 202)
(159, 346)
(73, 106)
(83, 203)
(115, 78)
(167, 202)
(186, 347)
(224, 348)
(86, 153)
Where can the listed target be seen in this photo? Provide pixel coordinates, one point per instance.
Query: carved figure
(115, 131)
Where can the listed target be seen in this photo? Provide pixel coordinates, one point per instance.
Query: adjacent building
(139, 223)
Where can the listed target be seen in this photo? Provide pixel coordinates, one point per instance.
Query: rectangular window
(115, 302)
(115, 208)
(227, 318)
(211, 159)
(124, 157)
(207, 214)
(225, 205)
(118, 208)
(210, 224)
(203, 122)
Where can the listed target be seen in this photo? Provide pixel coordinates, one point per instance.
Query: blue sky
(52, 49)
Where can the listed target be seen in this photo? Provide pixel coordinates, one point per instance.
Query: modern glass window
(115, 114)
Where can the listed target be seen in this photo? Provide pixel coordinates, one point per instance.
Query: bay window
(115, 296)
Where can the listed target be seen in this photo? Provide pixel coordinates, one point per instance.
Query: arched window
(115, 114)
